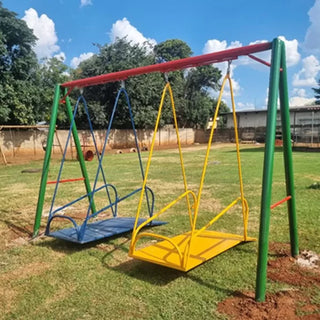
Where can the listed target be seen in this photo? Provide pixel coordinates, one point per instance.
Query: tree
(190, 87)
(144, 91)
(194, 104)
(199, 104)
(18, 68)
(51, 72)
(317, 93)
(172, 50)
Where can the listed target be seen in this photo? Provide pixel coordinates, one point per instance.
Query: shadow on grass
(161, 276)
(68, 247)
(257, 150)
(151, 273)
(279, 149)
(21, 231)
(148, 272)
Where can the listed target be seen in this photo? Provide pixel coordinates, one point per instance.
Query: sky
(68, 29)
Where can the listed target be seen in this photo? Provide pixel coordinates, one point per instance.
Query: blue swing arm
(150, 209)
(122, 89)
(118, 200)
(98, 155)
(80, 230)
(53, 214)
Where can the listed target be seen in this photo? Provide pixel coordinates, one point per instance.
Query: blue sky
(68, 29)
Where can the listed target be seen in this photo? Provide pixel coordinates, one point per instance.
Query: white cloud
(77, 60)
(306, 77)
(44, 29)
(299, 98)
(215, 45)
(292, 54)
(312, 38)
(245, 106)
(85, 3)
(60, 56)
(300, 101)
(123, 28)
(299, 92)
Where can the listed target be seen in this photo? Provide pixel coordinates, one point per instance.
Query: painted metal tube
(205, 59)
(46, 161)
(287, 150)
(80, 155)
(261, 278)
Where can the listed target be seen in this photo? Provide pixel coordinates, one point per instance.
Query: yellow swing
(188, 250)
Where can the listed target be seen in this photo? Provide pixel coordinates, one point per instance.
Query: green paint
(278, 81)
(268, 171)
(80, 154)
(46, 162)
(286, 136)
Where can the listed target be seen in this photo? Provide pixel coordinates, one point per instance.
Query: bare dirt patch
(303, 274)
(25, 271)
(297, 272)
(14, 235)
(281, 305)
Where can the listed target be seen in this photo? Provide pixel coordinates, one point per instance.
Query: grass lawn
(52, 279)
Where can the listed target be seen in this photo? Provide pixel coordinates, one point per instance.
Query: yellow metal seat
(205, 246)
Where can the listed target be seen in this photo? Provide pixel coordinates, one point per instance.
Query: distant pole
(312, 128)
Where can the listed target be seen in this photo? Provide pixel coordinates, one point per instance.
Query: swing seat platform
(101, 229)
(204, 246)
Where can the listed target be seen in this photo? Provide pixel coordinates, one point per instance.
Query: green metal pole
(287, 152)
(261, 279)
(80, 154)
(46, 162)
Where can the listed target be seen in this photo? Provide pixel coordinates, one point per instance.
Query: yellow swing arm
(188, 250)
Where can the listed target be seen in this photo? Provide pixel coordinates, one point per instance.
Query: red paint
(260, 60)
(205, 59)
(279, 202)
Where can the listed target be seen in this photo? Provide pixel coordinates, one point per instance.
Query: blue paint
(92, 231)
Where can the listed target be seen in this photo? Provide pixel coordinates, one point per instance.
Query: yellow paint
(188, 250)
(204, 247)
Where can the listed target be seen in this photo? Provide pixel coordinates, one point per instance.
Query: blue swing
(96, 230)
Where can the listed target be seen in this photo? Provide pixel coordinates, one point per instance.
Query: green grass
(52, 279)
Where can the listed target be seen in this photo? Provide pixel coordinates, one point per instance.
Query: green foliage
(192, 99)
(26, 86)
(18, 66)
(172, 50)
(16, 41)
(143, 90)
(51, 72)
(317, 93)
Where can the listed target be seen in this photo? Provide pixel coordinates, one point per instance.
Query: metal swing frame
(186, 251)
(277, 87)
(92, 231)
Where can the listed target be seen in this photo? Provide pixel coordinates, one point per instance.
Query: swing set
(190, 249)
(186, 251)
(90, 230)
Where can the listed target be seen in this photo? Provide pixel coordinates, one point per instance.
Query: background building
(305, 124)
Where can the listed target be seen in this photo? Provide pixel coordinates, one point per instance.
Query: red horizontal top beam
(205, 59)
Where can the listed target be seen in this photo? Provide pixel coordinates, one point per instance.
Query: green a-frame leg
(277, 84)
(47, 157)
